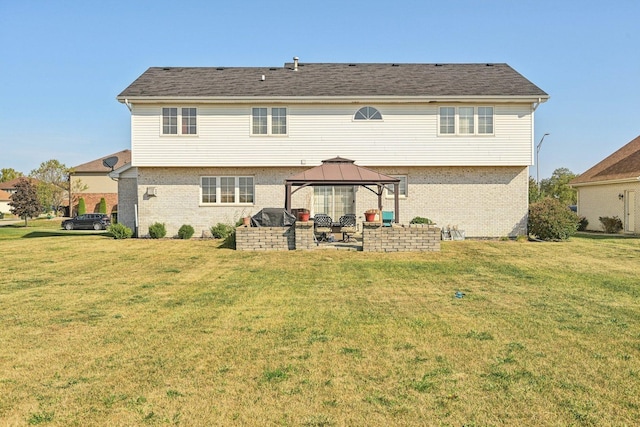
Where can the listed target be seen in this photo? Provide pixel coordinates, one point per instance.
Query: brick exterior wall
(482, 201)
(400, 238)
(92, 202)
(128, 198)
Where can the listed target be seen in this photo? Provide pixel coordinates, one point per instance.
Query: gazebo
(343, 172)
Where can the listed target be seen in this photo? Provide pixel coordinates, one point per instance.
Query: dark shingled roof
(334, 80)
(623, 164)
(123, 156)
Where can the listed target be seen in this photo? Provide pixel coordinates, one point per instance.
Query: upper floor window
(171, 116)
(268, 121)
(226, 190)
(466, 121)
(367, 113)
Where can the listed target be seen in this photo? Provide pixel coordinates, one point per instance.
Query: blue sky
(63, 62)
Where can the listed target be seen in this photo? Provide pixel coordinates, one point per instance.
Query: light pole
(537, 162)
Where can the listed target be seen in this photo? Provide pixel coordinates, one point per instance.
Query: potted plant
(303, 215)
(370, 215)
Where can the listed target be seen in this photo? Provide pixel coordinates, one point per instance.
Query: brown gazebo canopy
(343, 172)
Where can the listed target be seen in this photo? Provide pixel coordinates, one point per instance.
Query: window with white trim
(225, 190)
(402, 186)
(367, 113)
(465, 121)
(268, 121)
(186, 116)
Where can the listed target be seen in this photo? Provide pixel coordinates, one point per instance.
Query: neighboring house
(5, 198)
(211, 145)
(94, 175)
(8, 188)
(612, 188)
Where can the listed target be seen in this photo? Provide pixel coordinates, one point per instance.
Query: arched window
(368, 113)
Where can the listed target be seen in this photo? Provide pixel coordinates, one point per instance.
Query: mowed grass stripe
(143, 332)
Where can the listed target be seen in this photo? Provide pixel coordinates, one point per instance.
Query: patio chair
(387, 218)
(347, 226)
(322, 226)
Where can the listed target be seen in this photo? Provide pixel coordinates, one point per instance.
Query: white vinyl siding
(408, 136)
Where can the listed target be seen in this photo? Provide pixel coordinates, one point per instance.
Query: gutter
(609, 182)
(331, 99)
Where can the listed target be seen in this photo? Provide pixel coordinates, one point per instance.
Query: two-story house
(211, 145)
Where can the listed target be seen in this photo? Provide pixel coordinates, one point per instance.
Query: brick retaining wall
(400, 238)
(375, 238)
(265, 238)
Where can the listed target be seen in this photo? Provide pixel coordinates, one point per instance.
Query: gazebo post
(287, 197)
(380, 200)
(396, 201)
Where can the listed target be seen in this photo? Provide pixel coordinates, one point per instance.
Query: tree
(7, 174)
(24, 202)
(77, 187)
(103, 206)
(535, 195)
(82, 209)
(558, 188)
(53, 177)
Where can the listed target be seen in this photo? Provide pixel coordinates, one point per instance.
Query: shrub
(82, 208)
(611, 225)
(420, 220)
(157, 231)
(582, 226)
(550, 219)
(120, 231)
(103, 206)
(186, 232)
(221, 231)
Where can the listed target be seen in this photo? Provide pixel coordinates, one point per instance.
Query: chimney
(295, 63)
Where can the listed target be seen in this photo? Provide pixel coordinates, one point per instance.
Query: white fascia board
(332, 99)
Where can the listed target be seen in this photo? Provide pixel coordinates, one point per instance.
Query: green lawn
(98, 331)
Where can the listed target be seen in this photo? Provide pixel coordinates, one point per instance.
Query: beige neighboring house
(4, 202)
(95, 176)
(7, 188)
(612, 188)
(213, 144)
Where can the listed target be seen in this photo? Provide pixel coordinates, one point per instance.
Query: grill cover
(273, 217)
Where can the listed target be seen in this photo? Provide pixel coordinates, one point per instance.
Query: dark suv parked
(92, 221)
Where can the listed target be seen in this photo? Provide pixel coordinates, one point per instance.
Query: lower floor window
(226, 189)
(402, 186)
